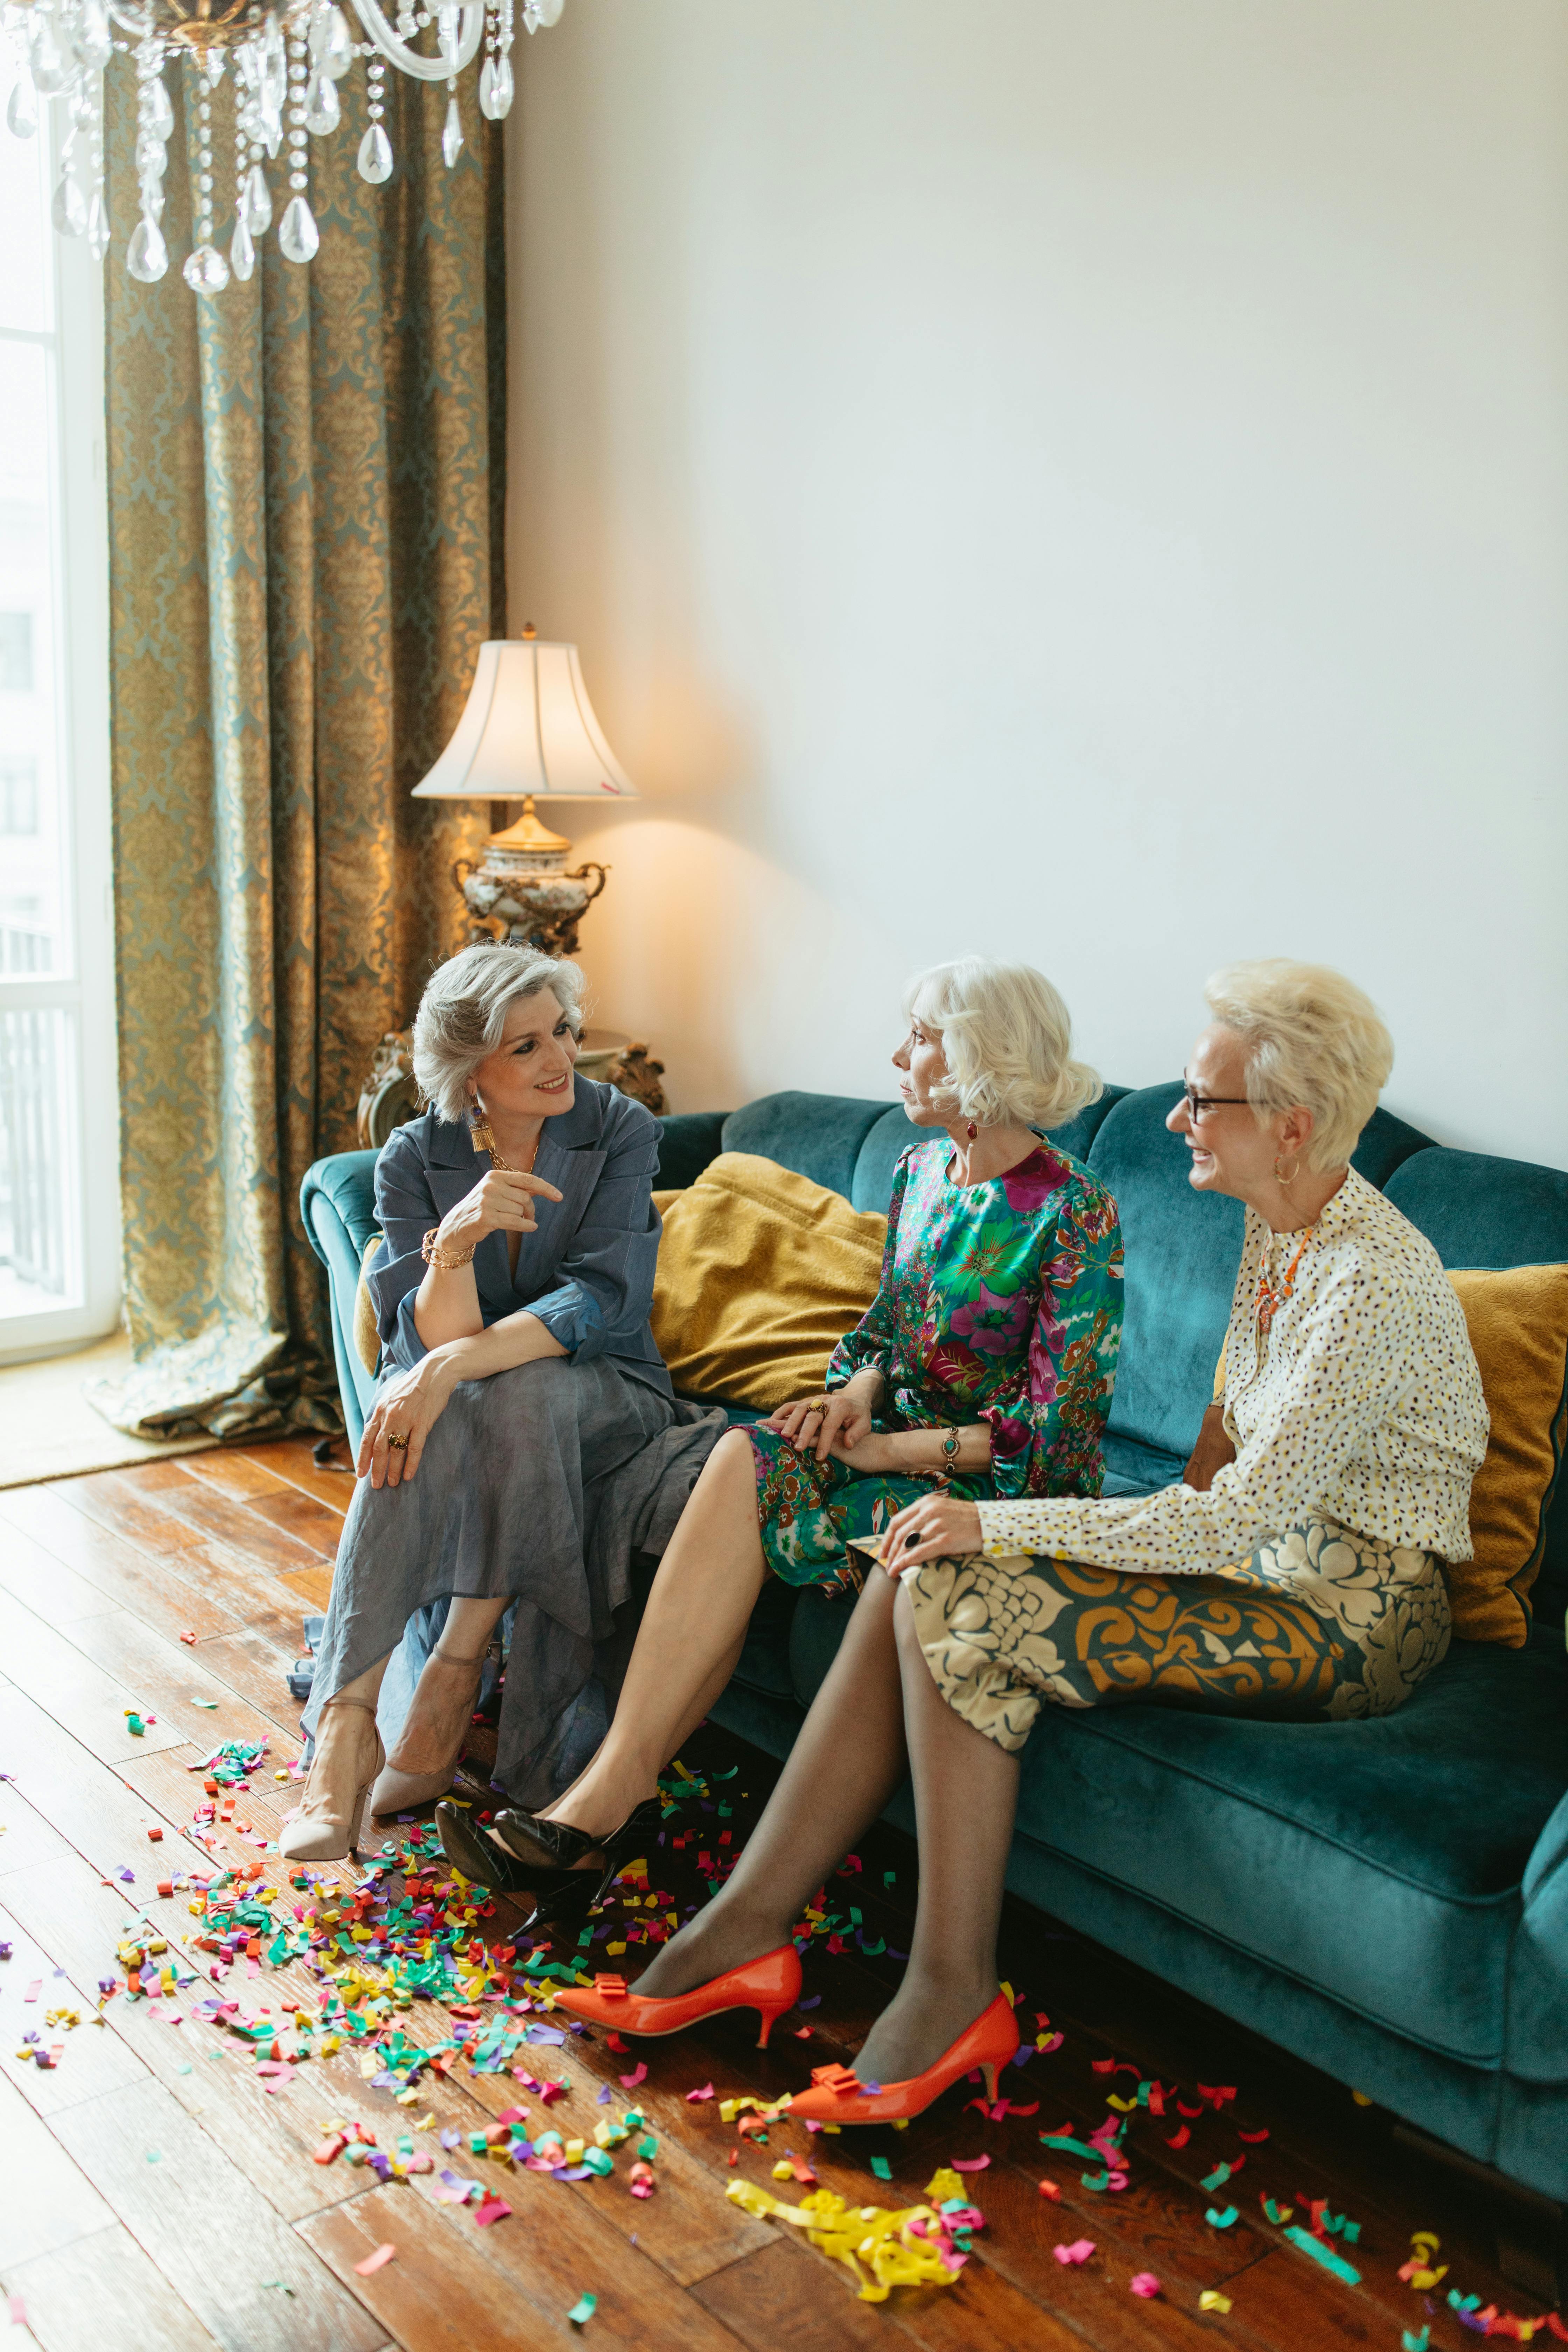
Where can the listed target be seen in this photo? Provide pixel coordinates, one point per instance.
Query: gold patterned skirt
(1318, 1623)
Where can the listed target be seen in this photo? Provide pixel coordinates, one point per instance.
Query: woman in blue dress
(524, 1439)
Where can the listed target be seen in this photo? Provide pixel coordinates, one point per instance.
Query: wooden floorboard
(233, 2237)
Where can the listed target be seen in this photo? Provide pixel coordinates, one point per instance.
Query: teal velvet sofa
(1388, 1899)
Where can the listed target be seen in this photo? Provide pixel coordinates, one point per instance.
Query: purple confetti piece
(815, 2002)
(603, 2098)
(128, 1875)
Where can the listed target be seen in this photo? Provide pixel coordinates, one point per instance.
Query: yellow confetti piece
(880, 2250)
(1211, 2299)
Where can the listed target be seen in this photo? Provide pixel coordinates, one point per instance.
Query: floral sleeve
(1046, 1439)
(870, 1345)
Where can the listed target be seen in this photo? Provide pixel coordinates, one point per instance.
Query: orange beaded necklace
(1269, 1300)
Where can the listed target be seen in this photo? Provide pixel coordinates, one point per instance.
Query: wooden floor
(157, 2197)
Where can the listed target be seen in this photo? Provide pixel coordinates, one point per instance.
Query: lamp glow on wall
(527, 733)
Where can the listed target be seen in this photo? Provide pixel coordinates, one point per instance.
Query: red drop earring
(974, 1131)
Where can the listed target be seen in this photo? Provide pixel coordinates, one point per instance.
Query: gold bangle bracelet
(445, 1261)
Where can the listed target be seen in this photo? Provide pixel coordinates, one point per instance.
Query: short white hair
(1314, 1041)
(462, 1014)
(1007, 1039)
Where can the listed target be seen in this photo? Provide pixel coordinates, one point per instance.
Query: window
(59, 1145)
(15, 653)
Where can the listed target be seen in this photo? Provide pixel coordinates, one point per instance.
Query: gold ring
(398, 1445)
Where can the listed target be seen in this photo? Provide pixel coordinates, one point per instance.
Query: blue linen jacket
(587, 1271)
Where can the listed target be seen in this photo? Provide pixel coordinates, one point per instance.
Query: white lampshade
(529, 733)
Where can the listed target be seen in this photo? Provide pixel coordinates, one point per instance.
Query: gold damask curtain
(306, 477)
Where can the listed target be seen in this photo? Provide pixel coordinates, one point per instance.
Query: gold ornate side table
(389, 1097)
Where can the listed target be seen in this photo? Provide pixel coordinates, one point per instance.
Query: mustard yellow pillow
(366, 1330)
(1518, 1320)
(761, 1273)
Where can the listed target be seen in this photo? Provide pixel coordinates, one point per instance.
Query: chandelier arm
(471, 26)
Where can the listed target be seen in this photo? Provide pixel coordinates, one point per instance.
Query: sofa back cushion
(761, 1273)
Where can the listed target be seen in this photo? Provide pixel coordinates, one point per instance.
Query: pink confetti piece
(638, 2074)
(33, 1990)
(1079, 2252)
(376, 2261)
(703, 2091)
(1145, 2284)
(493, 2208)
(973, 2163)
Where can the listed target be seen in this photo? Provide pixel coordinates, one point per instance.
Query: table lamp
(527, 733)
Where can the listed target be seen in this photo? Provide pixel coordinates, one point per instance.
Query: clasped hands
(838, 1428)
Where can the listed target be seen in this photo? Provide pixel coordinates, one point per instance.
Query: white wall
(1081, 479)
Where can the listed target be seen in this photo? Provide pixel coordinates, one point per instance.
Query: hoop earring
(1295, 1171)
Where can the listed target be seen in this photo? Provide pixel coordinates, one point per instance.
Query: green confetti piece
(881, 2167)
(583, 2310)
(1218, 2220)
(154, 2156)
(1323, 2253)
(212, 1704)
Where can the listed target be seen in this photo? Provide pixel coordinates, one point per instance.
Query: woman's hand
(1213, 1452)
(938, 1527)
(500, 1202)
(835, 1424)
(407, 1408)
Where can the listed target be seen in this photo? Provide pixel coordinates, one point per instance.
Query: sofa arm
(337, 1203)
(1538, 1978)
(691, 1139)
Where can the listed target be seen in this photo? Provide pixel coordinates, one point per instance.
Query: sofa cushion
(1392, 1849)
(689, 1141)
(1518, 1320)
(761, 1273)
(819, 1136)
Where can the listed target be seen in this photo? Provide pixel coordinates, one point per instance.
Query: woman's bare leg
(966, 1794)
(691, 1634)
(844, 1766)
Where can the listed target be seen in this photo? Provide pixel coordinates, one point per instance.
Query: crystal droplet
(68, 209)
(452, 135)
(94, 41)
(160, 109)
(22, 109)
(375, 156)
(299, 237)
(322, 112)
(148, 256)
(496, 89)
(241, 251)
(151, 156)
(44, 56)
(338, 50)
(207, 271)
(257, 202)
(98, 225)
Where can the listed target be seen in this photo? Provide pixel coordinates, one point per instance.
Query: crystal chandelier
(287, 60)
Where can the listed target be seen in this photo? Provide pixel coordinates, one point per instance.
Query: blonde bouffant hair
(1006, 1036)
(1314, 1041)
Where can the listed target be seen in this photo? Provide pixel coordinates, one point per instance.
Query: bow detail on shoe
(840, 2079)
(610, 1988)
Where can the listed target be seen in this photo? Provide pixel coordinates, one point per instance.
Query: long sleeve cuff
(571, 1317)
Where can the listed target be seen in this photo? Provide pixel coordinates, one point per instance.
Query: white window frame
(86, 988)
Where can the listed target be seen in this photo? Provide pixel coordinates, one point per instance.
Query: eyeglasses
(1199, 1106)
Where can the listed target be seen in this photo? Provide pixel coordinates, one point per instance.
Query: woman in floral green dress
(986, 1361)
(999, 1311)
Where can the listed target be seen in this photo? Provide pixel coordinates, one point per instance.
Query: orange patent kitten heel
(837, 2096)
(770, 1985)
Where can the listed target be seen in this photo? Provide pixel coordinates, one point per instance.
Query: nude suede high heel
(315, 1834)
(399, 1789)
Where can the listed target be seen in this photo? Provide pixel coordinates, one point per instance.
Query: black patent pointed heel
(567, 1901)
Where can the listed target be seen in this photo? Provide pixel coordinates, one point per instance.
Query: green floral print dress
(1000, 1302)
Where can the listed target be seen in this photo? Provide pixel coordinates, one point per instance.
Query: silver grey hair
(1314, 1041)
(1006, 1036)
(462, 1014)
